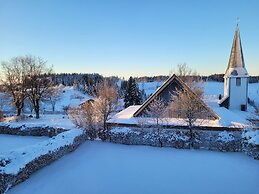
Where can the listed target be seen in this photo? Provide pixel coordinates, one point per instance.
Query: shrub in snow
(93, 115)
(225, 136)
(1, 116)
(65, 108)
(4, 162)
(251, 136)
(251, 142)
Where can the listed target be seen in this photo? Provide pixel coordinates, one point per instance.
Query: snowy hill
(69, 97)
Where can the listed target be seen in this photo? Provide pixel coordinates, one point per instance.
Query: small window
(238, 82)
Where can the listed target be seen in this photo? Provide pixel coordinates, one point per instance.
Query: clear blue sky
(130, 37)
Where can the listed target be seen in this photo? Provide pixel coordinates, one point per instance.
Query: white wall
(226, 84)
(238, 94)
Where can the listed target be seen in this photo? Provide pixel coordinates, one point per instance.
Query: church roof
(236, 64)
(165, 87)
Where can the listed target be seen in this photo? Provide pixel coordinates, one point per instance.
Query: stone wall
(251, 150)
(9, 180)
(178, 138)
(250, 143)
(30, 131)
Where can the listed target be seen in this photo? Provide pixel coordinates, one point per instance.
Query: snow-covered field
(51, 120)
(12, 142)
(68, 96)
(99, 168)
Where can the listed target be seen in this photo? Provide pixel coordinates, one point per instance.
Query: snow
(252, 136)
(149, 87)
(228, 118)
(48, 120)
(225, 136)
(125, 116)
(18, 158)
(121, 130)
(253, 93)
(97, 167)
(69, 97)
(11, 142)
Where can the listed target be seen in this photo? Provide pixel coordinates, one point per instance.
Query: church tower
(236, 78)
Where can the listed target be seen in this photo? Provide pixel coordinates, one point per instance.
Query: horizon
(124, 39)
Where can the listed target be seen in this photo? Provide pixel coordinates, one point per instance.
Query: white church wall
(238, 94)
(226, 88)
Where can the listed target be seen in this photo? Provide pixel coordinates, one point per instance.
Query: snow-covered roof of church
(236, 64)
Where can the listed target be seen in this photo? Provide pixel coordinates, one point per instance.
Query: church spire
(236, 56)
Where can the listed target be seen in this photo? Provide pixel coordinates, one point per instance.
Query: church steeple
(236, 64)
(236, 56)
(236, 78)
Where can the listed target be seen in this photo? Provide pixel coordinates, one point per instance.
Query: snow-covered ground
(98, 168)
(12, 142)
(14, 161)
(229, 118)
(68, 96)
(51, 120)
(149, 87)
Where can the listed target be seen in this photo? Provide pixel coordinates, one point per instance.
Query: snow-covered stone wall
(29, 130)
(18, 165)
(178, 138)
(250, 143)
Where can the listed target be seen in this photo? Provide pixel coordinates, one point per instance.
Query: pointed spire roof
(236, 64)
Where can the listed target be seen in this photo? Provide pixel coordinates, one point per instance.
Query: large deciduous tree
(14, 81)
(37, 81)
(27, 77)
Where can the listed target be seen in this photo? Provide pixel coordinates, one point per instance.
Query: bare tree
(186, 105)
(14, 77)
(156, 110)
(37, 81)
(190, 78)
(105, 103)
(54, 96)
(26, 77)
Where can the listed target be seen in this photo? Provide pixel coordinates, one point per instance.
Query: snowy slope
(69, 97)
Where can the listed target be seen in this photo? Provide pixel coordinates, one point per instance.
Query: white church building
(236, 78)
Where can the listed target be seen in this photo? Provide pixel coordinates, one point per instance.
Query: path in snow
(12, 142)
(99, 168)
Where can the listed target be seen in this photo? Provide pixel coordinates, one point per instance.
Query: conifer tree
(132, 94)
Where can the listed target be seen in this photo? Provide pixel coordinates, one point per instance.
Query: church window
(238, 81)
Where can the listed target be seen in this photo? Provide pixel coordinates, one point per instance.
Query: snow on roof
(125, 116)
(228, 118)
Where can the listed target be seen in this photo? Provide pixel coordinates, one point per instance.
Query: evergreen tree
(132, 94)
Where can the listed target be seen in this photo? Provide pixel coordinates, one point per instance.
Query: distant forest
(72, 79)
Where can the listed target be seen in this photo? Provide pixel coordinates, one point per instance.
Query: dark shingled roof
(166, 90)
